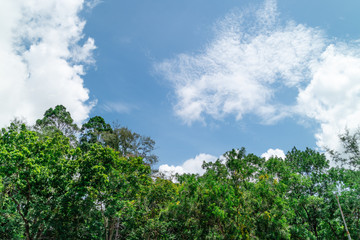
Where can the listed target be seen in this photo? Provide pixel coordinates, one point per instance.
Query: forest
(62, 181)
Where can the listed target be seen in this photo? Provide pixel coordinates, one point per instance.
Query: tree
(151, 223)
(234, 199)
(35, 176)
(52, 187)
(121, 139)
(113, 186)
(130, 143)
(307, 185)
(50, 190)
(57, 119)
(93, 131)
(347, 174)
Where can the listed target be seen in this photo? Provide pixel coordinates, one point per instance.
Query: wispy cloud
(42, 58)
(236, 73)
(252, 56)
(118, 107)
(93, 3)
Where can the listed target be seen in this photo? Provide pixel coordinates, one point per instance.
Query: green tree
(57, 119)
(50, 190)
(310, 187)
(121, 139)
(234, 199)
(347, 174)
(93, 131)
(113, 186)
(151, 221)
(35, 176)
(130, 143)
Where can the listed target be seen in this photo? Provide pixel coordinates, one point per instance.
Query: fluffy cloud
(333, 96)
(273, 153)
(192, 165)
(237, 72)
(252, 56)
(42, 58)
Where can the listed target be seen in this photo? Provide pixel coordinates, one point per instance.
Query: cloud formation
(332, 98)
(273, 153)
(252, 57)
(237, 72)
(192, 165)
(42, 58)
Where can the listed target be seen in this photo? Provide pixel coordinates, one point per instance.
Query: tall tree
(234, 199)
(93, 131)
(57, 119)
(121, 139)
(130, 143)
(35, 175)
(114, 186)
(347, 173)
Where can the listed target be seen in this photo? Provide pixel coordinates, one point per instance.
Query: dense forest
(59, 181)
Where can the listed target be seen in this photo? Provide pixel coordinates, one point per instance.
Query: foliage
(92, 132)
(347, 174)
(100, 187)
(230, 201)
(35, 177)
(121, 139)
(57, 120)
(130, 143)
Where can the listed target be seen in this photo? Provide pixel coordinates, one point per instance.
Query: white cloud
(333, 96)
(252, 56)
(42, 58)
(236, 73)
(192, 165)
(93, 3)
(118, 107)
(169, 172)
(273, 153)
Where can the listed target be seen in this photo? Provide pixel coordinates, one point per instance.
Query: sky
(200, 77)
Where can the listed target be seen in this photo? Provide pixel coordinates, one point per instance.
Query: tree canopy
(58, 181)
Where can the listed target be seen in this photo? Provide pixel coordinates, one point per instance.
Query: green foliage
(235, 200)
(113, 185)
(51, 190)
(57, 120)
(53, 187)
(129, 143)
(92, 132)
(347, 175)
(121, 139)
(35, 177)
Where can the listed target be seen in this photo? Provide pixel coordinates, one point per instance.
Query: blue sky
(200, 77)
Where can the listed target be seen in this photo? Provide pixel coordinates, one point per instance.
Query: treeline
(61, 182)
